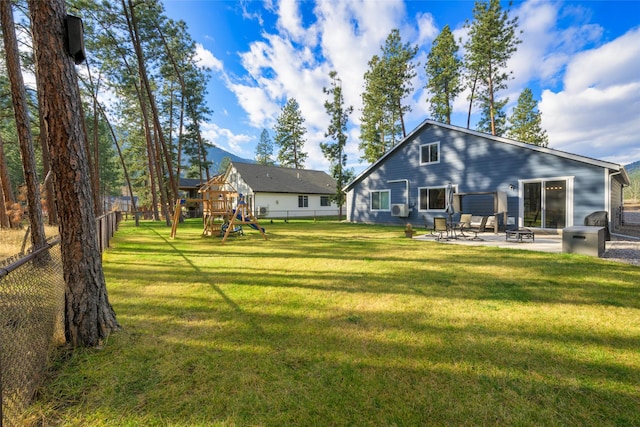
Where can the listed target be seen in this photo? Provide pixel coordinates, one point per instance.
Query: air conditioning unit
(262, 210)
(400, 209)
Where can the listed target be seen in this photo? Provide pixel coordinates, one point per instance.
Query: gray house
(522, 184)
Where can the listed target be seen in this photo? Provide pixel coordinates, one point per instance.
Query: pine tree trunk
(4, 218)
(151, 156)
(4, 175)
(48, 183)
(89, 318)
(122, 162)
(135, 38)
(21, 111)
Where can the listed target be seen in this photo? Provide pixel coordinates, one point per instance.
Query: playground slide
(239, 217)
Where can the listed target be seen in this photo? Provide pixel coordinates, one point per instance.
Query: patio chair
(476, 226)
(440, 227)
(464, 224)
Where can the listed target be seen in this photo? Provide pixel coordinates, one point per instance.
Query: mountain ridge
(216, 154)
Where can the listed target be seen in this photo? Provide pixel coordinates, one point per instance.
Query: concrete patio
(619, 248)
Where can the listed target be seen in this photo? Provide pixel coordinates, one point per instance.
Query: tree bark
(4, 218)
(89, 318)
(52, 214)
(135, 38)
(5, 182)
(21, 111)
(122, 162)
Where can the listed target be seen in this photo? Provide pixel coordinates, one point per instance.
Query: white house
(275, 192)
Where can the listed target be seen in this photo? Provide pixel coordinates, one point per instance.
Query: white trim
(428, 144)
(371, 200)
(455, 190)
(569, 199)
(608, 186)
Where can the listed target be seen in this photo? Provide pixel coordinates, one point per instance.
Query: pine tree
(444, 74)
(525, 123)
(22, 120)
(387, 83)
(398, 73)
(337, 131)
(89, 318)
(264, 149)
(497, 126)
(492, 42)
(373, 129)
(290, 136)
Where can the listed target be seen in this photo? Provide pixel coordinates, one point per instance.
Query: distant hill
(215, 155)
(632, 167)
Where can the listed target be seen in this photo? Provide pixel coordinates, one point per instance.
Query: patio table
(519, 234)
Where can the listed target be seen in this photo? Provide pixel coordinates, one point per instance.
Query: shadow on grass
(332, 329)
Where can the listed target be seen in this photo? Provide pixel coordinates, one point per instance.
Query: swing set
(219, 217)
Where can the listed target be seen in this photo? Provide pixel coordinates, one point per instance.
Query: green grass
(342, 324)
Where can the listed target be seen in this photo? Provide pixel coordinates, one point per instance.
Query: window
(434, 198)
(324, 201)
(430, 153)
(380, 200)
(303, 201)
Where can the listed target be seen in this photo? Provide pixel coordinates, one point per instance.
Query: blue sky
(580, 58)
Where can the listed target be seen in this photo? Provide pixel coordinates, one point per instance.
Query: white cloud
(285, 64)
(206, 59)
(590, 107)
(596, 113)
(290, 22)
(227, 140)
(260, 108)
(427, 29)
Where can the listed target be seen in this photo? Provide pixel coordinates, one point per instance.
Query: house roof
(584, 159)
(274, 179)
(186, 183)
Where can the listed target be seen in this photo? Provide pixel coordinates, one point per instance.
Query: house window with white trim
(325, 201)
(433, 198)
(430, 153)
(380, 200)
(303, 201)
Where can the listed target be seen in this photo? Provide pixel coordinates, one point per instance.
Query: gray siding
(472, 164)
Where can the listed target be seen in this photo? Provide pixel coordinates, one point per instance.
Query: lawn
(329, 324)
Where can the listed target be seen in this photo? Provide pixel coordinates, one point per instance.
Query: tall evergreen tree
(290, 136)
(374, 131)
(21, 113)
(444, 74)
(492, 41)
(89, 318)
(399, 71)
(264, 149)
(337, 131)
(497, 126)
(387, 83)
(525, 123)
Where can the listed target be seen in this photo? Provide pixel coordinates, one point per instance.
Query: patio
(619, 248)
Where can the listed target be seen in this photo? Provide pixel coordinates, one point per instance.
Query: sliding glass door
(545, 204)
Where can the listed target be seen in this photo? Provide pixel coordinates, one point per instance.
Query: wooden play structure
(219, 217)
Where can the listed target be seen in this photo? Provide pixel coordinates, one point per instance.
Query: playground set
(219, 217)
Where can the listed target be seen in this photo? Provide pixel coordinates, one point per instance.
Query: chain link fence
(31, 324)
(32, 293)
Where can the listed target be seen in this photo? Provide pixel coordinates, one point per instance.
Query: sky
(581, 59)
